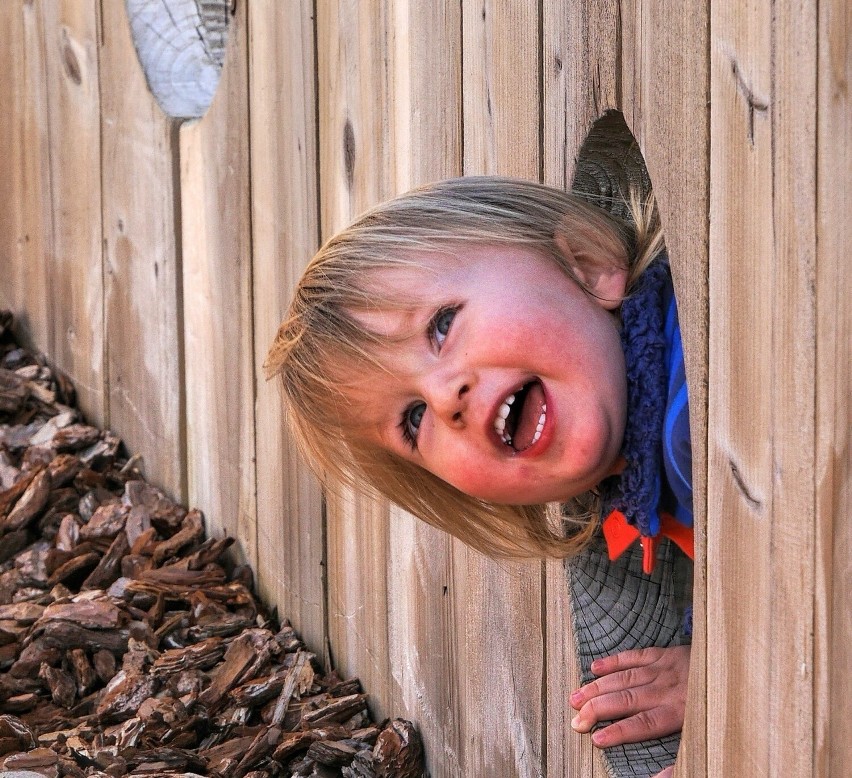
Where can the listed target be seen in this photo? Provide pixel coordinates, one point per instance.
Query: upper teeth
(502, 415)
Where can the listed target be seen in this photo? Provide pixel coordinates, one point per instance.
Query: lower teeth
(507, 439)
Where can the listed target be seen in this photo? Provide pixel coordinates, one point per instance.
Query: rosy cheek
(470, 478)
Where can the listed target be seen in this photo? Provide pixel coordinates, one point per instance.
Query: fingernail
(575, 722)
(599, 739)
(575, 696)
(594, 666)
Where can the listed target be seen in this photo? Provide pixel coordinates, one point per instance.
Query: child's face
(488, 325)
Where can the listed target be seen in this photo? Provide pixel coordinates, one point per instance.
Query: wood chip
(128, 646)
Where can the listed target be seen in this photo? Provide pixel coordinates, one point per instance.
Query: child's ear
(600, 270)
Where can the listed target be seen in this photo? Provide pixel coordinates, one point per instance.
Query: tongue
(528, 419)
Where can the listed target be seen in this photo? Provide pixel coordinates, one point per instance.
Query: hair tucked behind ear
(321, 345)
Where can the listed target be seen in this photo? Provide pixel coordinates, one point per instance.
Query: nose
(448, 394)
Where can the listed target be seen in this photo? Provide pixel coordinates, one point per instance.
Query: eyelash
(432, 332)
(432, 329)
(407, 435)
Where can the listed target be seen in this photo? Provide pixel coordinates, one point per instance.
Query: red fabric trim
(620, 535)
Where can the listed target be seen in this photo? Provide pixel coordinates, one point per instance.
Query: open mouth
(521, 416)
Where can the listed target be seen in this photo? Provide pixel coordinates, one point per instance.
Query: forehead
(400, 294)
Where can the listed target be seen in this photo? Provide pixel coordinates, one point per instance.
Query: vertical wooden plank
(762, 372)
(498, 607)
(356, 170)
(668, 113)
(422, 639)
(581, 74)
(217, 301)
(598, 57)
(25, 182)
(51, 209)
(739, 487)
(143, 313)
(501, 88)
(73, 259)
(793, 112)
(390, 118)
(285, 231)
(833, 476)
(582, 78)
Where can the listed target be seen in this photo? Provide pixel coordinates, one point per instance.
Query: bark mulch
(128, 646)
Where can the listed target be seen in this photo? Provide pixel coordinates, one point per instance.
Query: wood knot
(349, 153)
(69, 60)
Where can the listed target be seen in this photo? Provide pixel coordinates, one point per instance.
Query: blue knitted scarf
(636, 491)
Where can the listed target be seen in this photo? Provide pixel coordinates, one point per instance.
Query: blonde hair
(320, 342)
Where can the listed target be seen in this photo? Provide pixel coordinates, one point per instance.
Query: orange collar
(620, 536)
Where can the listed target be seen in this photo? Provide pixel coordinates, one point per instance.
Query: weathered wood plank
(833, 475)
(762, 369)
(25, 182)
(794, 112)
(356, 170)
(422, 639)
(143, 313)
(285, 233)
(74, 258)
(581, 79)
(740, 467)
(670, 71)
(498, 607)
(599, 57)
(501, 99)
(217, 299)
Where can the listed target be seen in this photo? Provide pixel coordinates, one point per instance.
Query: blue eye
(441, 323)
(410, 424)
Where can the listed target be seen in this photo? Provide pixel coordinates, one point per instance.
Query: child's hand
(644, 689)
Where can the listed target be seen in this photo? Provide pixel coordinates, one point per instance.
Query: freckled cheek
(468, 476)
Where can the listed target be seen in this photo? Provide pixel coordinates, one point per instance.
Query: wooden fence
(153, 260)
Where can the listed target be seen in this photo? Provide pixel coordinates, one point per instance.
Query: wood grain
(833, 475)
(501, 88)
(670, 73)
(602, 57)
(581, 78)
(422, 636)
(356, 170)
(498, 609)
(762, 330)
(142, 277)
(581, 75)
(285, 233)
(219, 372)
(25, 183)
(73, 258)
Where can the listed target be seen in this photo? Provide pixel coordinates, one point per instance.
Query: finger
(637, 657)
(608, 684)
(667, 773)
(618, 705)
(645, 725)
